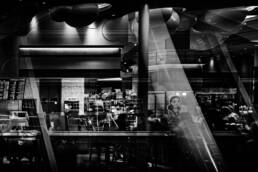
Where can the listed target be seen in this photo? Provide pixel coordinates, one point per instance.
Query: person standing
(179, 122)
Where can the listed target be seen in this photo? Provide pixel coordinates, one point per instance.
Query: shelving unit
(12, 89)
(24, 142)
(73, 106)
(211, 97)
(29, 105)
(12, 99)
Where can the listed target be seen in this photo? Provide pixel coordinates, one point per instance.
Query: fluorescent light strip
(110, 79)
(174, 66)
(70, 50)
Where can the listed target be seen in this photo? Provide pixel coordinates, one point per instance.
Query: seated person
(177, 114)
(180, 120)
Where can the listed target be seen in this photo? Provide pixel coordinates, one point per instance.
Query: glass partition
(77, 105)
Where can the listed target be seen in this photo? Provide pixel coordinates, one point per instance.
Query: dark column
(9, 56)
(143, 61)
(255, 76)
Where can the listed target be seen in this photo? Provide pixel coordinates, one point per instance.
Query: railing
(114, 150)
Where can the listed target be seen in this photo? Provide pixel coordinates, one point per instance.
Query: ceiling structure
(225, 19)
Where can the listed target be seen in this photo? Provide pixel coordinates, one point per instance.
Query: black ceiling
(16, 14)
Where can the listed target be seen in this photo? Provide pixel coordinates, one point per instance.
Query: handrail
(108, 134)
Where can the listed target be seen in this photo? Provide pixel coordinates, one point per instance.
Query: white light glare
(103, 5)
(251, 8)
(34, 24)
(250, 16)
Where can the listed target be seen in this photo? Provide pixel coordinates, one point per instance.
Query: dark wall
(50, 95)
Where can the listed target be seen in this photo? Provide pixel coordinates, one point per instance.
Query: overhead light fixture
(96, 51)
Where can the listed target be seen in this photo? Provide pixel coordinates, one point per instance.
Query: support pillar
(255, 76)
(9, 48)
(143, 62)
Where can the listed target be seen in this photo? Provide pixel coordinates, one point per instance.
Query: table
(17, 146)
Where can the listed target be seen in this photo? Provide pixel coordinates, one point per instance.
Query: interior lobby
(128, 86)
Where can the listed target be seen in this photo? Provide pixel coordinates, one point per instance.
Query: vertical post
(42, 122)
(9, 56)
(255, 75)
(143, 60)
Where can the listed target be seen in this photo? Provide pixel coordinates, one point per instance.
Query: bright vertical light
(69, 30)
(91, 36)
(174, 81)
(211, 64)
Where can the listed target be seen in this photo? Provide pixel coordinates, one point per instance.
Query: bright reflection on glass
(193, 133)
